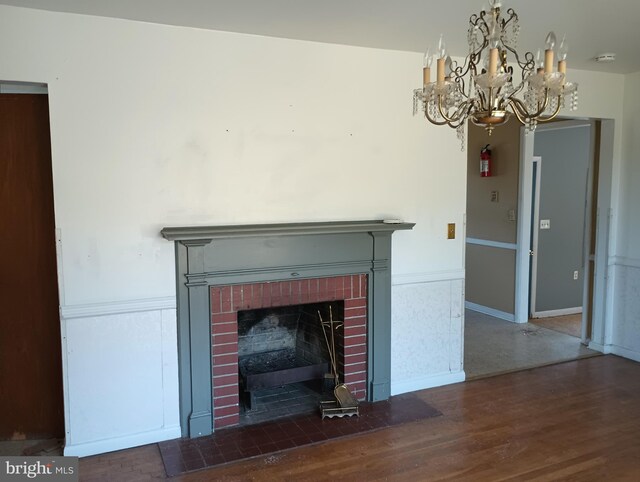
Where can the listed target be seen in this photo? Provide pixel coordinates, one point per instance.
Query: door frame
(535, 226)
(600, 337)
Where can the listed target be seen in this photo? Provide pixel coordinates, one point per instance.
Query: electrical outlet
(494, 196)
(575, 275)
(451, 231)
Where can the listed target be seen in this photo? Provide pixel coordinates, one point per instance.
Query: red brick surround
(226, 301)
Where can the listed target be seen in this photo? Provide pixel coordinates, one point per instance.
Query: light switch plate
(545, 224)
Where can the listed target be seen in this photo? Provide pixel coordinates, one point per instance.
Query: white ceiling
(592, 27)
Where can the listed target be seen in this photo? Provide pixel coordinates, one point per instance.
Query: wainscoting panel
(626, 320)
(426, 335)
(121, 379)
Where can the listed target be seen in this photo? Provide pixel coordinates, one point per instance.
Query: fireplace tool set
(344, 403)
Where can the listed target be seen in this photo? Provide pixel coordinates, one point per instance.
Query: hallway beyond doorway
(493, 346)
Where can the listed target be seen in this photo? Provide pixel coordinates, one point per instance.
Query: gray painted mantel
(225, 255)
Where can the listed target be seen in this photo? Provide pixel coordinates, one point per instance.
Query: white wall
(630, 227)
(156, 125)
(626, 265)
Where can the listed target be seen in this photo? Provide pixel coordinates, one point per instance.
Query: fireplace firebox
(225, 271)
(281, 346)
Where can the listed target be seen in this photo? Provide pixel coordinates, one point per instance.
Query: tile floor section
(232, 444)
(493, 346)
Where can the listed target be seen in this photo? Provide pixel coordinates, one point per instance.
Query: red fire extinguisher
(485, 162)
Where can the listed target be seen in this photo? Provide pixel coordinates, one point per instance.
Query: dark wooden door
(31, 400)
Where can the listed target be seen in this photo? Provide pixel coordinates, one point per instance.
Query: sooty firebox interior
(283, 359)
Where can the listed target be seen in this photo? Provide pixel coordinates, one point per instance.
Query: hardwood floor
(578, 420)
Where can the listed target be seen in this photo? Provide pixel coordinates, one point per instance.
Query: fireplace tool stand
(344, 404)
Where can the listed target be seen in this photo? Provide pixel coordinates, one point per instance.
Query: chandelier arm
(458, 114)
(461, 85)
(518, 89)
(552, 116)
(516, 111)
(520, 110)
(433, 121)
(521, 113)
(523, 109)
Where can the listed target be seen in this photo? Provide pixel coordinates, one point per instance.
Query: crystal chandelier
(485, 88)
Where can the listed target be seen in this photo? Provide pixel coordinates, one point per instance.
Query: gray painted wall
(490, 271)
(493, 286)
(486, 219)
(565, 157)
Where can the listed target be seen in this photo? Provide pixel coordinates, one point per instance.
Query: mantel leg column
(380, 309)
(201, 417)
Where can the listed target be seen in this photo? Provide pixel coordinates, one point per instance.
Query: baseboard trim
(625, 352)
(416, 278)
(119, 443)
(117, 307)
(606, 349)
(562, 312)
(422, 383)
(503, 315)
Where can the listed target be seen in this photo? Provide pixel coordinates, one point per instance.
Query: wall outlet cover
(451, 231)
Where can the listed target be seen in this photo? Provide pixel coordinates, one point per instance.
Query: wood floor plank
(573, 421)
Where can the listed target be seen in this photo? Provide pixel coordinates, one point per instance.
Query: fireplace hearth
(223, 271)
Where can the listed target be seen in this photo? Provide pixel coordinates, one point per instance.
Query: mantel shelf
(187, 233)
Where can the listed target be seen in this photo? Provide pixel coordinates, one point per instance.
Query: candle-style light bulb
(550, 42)
(563, 50)
(427, 59)
(448, 63)
(442, 47)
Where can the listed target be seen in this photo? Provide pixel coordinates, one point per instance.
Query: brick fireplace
(222, 270)
(227, 301)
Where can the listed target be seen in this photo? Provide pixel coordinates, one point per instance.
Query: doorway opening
(532, 233)
(30, 350)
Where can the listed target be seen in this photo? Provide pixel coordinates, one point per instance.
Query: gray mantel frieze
(225, 255)
(185, 233)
